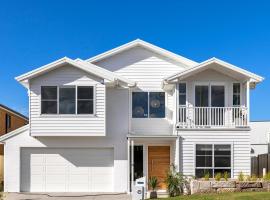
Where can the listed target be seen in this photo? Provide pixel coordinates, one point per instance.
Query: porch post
(248, 102)
(177, 154)
(132, 163)
(128, 165)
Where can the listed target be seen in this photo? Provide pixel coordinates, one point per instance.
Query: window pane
(201, 96)
(203, 149)
(157, 104)
(139, 104)
(182, 99)
(48, 92)
(67, 100)
(85, 107)
(223, 150)
(85, 92)
(203, 161)
(201, 172)
(236, 100)
(236, 88)
(222, 171)
(182, 88)
(217, 96)
(49, 107)
(222, 161)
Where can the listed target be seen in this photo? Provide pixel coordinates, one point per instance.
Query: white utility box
(138, 191)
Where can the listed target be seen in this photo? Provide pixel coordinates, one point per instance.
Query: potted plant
(153, 182)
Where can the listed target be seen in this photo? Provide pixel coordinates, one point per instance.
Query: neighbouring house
(9, 121)
(260, 137)
(96, 125)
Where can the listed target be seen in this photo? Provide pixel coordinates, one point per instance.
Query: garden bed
(202, 186)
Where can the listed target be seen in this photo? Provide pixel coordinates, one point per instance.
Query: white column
(132, 163)
(128, 165)
(248, 101)
(177, 154)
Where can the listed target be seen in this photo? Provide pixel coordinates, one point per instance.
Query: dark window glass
(48, 100)
(66, 100)
(8, 121)
(139, 104)
(182, 94)
(222, 161)
(204, 161)
(236, 94)
(157, 104)
(201, 172)
(201, 96)
(223, 150)
(203, 149)
(217, 96)
(85, 100)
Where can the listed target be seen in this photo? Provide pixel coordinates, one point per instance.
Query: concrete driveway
(65, 196)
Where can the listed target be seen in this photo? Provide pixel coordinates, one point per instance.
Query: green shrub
(174, 181)
(253, 177)
(266, 177)
(206, 176)
(218, 176)
(226, 176)
(153, 182)
(241, 176)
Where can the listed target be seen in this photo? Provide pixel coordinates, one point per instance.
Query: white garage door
(66, 170)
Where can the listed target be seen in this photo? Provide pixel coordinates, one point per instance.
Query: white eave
(145, 45)
(13, 133)
(254, 78)
(89, 68)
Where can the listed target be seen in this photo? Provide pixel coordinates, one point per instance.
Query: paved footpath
(64, 196)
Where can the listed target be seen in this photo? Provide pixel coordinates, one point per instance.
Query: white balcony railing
(209, 117)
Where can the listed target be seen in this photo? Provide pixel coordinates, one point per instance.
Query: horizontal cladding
(67, 124)
(239, 140)
(149, 72)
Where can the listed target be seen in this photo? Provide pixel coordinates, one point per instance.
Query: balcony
(212, 117)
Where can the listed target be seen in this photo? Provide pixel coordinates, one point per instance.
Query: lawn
(226, 196)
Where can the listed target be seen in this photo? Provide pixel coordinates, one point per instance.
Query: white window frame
(148, 105)
(213, 157)
(182, 82)
(76, 94)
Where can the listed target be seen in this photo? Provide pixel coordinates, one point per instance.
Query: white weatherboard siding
(117, 130)
(240, 141)
(148, 70)
(260, 137)
(52, 125)
(67, 170)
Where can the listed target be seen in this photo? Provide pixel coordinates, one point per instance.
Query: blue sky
(34, 33)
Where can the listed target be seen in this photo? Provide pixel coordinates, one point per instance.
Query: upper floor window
(236, 94)
(49, 100)
(148, 104)
(65, 100)
(182, 94)
(8, 121)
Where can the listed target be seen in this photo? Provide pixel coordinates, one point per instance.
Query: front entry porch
(151, 156)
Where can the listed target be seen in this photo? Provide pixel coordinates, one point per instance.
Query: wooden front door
(159, 163)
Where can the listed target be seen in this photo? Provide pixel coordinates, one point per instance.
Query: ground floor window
(212, 159)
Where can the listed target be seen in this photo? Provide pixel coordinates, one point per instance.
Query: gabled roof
(89, 68)
(13, 112)
(206, 64)
(14, 133)
(145, 45)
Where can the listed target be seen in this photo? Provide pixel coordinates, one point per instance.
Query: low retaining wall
(197, 186)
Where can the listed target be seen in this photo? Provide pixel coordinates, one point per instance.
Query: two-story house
(98, 124)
